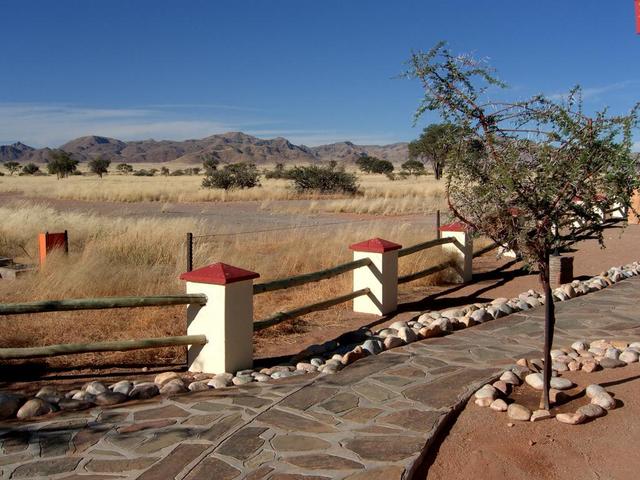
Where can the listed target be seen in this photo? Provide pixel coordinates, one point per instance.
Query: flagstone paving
(375, 419)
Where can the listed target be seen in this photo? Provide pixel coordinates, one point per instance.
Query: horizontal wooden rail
(115, 346)
(100, 303)
(423, 246)
(423, 273)
(314, 307)
(438, 268)
(309, 277)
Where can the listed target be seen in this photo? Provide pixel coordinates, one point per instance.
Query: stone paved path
(373, 420)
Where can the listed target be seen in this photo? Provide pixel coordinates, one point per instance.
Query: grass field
(378, 195)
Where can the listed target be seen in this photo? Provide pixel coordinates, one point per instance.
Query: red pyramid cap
(455, 227)
(375, 245)
(219, 274)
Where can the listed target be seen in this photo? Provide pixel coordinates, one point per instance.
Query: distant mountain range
(227, 147)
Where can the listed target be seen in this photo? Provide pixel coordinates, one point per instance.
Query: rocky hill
(227, 147)
(14, 151)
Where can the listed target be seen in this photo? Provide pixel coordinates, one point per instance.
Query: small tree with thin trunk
(369, 164)
(533, 175)
(12, 167)
(99, 166)
(434, 145)
(413, 167)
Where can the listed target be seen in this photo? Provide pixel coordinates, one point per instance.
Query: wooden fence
(200, 300)
(299, 280)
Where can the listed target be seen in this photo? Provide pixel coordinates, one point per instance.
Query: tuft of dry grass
(112, 256)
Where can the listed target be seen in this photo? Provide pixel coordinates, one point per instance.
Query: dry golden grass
(379, 195)
(112, 256)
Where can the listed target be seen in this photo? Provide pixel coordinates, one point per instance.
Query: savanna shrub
(323, 180)
(234, 175)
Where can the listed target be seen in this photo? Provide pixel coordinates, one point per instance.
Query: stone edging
(588, 357)
(327, 358)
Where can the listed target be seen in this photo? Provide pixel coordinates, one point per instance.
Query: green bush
(124, 168)
(323, 180)
(145, 173)
(177, 173)
(369, 164)
(30, 169)
(234, 175)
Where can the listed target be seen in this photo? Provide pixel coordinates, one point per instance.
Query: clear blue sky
(312, 71)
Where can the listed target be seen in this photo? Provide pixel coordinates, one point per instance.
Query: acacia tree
(12, 167)
(99, 166)
(61, 164)
(413, 167)
(520, 166)
(369, 164)
(434, 145)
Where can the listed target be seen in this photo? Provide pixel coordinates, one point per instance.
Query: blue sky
(312, 71)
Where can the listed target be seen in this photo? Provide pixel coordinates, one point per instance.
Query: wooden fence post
(189, 251)
(226, 319)
(462, 248)
(380, 277)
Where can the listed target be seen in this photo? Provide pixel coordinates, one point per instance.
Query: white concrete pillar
(381, 277)
(226, 319)
(462, 248)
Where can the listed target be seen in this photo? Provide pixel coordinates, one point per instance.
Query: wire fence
(192, 239)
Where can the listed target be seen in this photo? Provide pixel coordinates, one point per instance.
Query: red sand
(480, 445)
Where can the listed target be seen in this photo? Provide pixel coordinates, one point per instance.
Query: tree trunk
(549, 325)
(437, 169)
